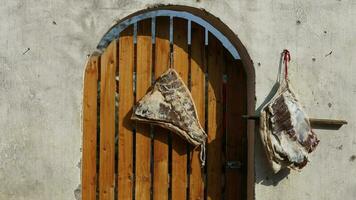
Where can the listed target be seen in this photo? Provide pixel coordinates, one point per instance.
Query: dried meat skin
(285, 131)
(170, 105)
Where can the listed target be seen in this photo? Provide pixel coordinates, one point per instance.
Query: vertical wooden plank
(160, 162)
(89, 129)
(143, 82)
(107, 123)
(215, 118)
(235, 108)
(198, 69)
(125, 125)
(179, 146)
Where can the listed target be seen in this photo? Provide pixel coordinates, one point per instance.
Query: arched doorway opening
(126, 160)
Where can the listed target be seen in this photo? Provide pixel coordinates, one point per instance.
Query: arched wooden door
(126, 160)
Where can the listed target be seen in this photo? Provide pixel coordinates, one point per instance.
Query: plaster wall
(44, 47)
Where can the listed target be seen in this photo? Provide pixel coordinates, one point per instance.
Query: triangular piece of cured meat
(285, 129)
(169, 104)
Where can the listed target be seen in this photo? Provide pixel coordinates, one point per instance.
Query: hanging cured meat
(285, 128)
(169, 104)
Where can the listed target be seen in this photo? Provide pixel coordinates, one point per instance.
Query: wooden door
(126, 160)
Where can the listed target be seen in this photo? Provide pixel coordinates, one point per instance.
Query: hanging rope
(286, 59)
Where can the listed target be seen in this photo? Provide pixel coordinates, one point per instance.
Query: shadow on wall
(264, 172)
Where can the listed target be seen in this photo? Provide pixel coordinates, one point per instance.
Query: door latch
(233, 164)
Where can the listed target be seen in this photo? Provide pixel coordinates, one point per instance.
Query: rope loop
(286, 59)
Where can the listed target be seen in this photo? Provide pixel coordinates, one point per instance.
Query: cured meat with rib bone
(169, 104)
(285, 130)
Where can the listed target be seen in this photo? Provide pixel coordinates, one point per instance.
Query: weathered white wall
(41, 90)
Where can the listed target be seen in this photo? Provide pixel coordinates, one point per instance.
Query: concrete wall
(41, 88)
